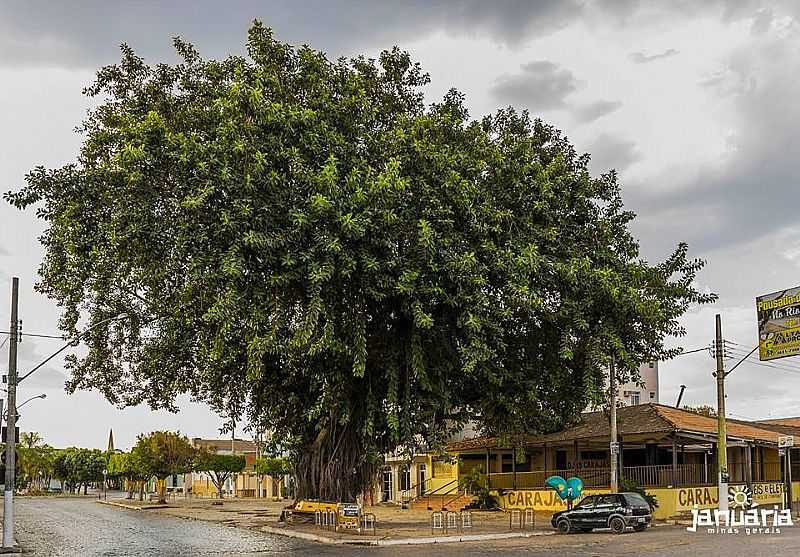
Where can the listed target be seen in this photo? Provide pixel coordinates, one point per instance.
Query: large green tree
(306, 242)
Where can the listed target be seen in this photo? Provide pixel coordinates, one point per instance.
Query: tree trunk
(85, 487)
(131, 486)
(334, 466)
(162, 491)
(141, 490)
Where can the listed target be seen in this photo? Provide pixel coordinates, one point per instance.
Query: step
(437, 503)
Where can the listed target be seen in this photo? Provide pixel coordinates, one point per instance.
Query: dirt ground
(391, 521)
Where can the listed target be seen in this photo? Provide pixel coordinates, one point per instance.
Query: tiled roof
(696, 423)
(786, 426)
(632, 420)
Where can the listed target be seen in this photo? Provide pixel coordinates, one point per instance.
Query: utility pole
(11, 421)
(722, 433)
(614, 445)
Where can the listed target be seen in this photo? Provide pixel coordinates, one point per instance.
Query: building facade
(632, 394)
(245, 484)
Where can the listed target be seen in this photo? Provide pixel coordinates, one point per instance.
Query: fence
(661, 475)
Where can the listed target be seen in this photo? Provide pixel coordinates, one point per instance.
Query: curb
(400, 541)
(131, 507)
(463, 538)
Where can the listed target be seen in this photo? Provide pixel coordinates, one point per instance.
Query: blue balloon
(559, 484)
(574, 487)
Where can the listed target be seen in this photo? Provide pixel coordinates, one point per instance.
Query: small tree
(128, 466)
(276, 468)
(163, 454)
(219, 467)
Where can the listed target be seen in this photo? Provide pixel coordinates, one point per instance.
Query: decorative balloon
(568, 490)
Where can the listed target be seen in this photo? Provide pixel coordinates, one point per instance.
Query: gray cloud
(87, 34)
(642, 58)
(609, 152)
(593, 111)
(762, 21)
(752, 193)
(540, 85)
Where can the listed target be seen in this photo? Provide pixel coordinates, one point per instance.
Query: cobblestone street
(80, 527)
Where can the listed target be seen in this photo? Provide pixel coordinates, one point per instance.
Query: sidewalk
(393, 525)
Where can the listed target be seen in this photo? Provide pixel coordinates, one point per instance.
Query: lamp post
(42, 396)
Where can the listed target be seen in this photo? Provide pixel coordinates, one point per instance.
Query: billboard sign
(778, 324)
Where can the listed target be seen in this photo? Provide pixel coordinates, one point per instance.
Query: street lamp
(5, 415)
(42, 396)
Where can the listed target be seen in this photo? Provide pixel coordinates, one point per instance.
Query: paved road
(80, 527)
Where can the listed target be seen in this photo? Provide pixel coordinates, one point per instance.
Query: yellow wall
(671, 501)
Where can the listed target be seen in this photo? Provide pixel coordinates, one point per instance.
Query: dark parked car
(615, 510)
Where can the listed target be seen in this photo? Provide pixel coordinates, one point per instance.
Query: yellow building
(669, 451)
(245, 484)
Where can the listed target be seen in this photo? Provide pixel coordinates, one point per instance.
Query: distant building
(632, 394)
(244, 484)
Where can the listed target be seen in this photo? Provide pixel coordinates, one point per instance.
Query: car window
(607, 500)
(585, 502)
(636, 501)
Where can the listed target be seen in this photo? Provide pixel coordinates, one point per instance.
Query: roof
(786, 426)
(696, 423)
(217, 445)
(633, 420)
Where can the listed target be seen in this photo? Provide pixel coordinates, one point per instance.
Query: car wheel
(564, 526)
(617, 525)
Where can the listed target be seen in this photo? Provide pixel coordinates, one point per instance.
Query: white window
(634, 399)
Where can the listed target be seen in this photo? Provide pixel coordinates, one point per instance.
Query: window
(607, 500)
(585, 502)
(634, 399)
(405, 478)
(652, 395)
(652, 365)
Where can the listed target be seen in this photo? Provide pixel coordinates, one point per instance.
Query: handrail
(457, 496)
(406, 494)
(448, 484)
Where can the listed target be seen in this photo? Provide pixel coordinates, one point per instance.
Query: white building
(632, 394)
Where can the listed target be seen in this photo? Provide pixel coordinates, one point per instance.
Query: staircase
(446, 502)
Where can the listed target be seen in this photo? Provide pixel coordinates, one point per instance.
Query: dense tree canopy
(307, 243)
(161, 454)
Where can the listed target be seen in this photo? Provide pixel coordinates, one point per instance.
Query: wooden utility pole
(722, 434)
(11, 421)
(614, 444)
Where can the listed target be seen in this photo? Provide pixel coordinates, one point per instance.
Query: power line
(704, 348)
(40, 335)
(782, 367)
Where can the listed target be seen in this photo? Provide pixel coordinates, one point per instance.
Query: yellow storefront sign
(671, 501)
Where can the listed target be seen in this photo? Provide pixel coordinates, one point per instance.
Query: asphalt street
(80, 527)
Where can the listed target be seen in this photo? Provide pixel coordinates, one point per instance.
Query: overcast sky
(694, 103)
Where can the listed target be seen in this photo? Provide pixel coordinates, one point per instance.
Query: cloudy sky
(694, 103)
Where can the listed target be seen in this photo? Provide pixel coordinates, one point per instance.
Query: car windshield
(637, 501)
(586, 502)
